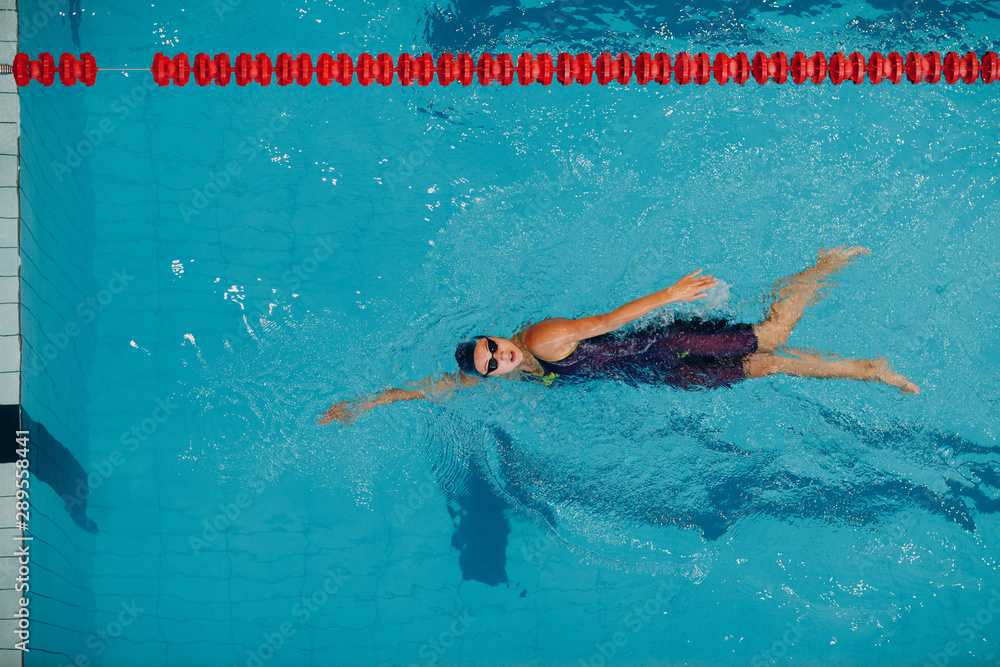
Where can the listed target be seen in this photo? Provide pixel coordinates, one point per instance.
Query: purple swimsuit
(689, 354)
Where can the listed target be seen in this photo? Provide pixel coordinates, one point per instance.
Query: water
(279, 250)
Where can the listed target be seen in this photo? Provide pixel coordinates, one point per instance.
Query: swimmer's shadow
(763, 486)
(49, 461)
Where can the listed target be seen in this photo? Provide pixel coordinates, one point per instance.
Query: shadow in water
(479, 496)
(477, 504)
(52, 463)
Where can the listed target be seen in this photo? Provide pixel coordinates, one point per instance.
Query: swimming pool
(364, 231)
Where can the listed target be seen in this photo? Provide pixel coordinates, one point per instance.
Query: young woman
(687, 354)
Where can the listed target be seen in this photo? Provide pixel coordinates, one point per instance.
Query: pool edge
(10, 328)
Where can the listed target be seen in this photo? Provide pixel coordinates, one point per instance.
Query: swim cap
(465, 356)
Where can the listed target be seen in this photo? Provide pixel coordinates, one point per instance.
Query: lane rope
(542, 68)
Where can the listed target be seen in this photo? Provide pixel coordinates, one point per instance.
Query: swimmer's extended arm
(432, 389)
(551, 337)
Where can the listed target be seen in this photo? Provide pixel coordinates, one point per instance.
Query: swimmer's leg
(814, 365)
(792, 295)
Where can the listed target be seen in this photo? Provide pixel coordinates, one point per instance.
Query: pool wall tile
(10, 339)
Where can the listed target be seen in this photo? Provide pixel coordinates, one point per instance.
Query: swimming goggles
(492, 365)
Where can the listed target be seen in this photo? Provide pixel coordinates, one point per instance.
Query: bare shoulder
(540, 332)
(551, 339)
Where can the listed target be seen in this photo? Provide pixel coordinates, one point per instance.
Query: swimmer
(689, 353)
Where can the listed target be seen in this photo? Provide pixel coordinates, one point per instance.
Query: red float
(365, 69)
(857, 70)
(504, 68)
(990, 67)
(702, 68)
(289, 69)
(876, 67)
(917, 67)
(606, 68)
(934, 67)
(645, 69)
(780, 61)
(723, 68)
(345, 69)
(958, 67)
(763, 68)
(802, 67)
(819, 68)
(683, 68)
(839, 68)
(44, 69)
(897, 66)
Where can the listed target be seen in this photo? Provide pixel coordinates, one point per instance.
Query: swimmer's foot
(834, 259)
(884, 373)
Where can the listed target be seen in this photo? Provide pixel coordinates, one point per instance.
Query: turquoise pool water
(236, 260)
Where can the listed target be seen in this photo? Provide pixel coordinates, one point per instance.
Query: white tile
(8, 232)
(10, 389)
(8, 168)
(9, 261)
(8, 290)
(8, 25)
(8, 318)
(10, 657)
(7, 508)
(7, 471)
(10, 106)
(8, 203)
(10, 353)
(8, 137)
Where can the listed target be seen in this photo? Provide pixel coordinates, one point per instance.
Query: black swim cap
(465, 356)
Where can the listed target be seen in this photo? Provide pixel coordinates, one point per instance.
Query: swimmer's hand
(690, 287)
(342, 412)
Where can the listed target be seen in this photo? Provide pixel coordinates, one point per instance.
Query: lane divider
(541, 68)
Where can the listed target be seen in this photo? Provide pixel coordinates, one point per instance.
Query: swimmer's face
(508, 356)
